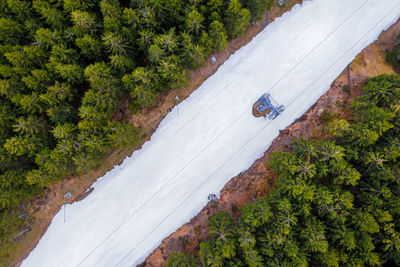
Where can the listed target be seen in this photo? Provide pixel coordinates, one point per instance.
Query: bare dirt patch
(257, 181)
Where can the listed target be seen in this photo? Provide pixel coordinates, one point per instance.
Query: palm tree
(208, 255)
(263, 210)
(343, 173)
(304, 148)
(346, 239)
(29, 125)
(383, 90)
(246, 240)
(64, 131)
(328, 151)
(221, 229)
(374, 159)
(96, 143)
(253, 259)
(84, 162)
(283, 163)
(306, 169)
(167, 41)
(314, 237)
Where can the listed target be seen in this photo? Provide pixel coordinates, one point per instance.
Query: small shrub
(346, 89)
(234, 208)
(393, 56)
(327, 116)
(184, 241)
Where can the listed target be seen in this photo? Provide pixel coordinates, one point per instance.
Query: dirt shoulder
(43, 209)
(257, 181)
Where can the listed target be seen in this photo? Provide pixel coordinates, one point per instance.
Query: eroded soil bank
(257, 181)
(44, 208)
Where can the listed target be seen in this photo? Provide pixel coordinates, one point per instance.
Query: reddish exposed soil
(254, 182)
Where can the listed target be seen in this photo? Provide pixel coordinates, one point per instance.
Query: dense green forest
(337, 200)
(65, 65)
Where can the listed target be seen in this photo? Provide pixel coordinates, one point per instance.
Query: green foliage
(156, 53)
(337, 201)
(346, 89)
(10, 31)
(89, 46)
(10, 225)
(327, 116)
(258, 7)
(193, 55)
(70, 5)
(194, 21)
(393, 56)
(115, 43)
(181, 260)
(84, 22)
(237, 18)
(122, 135)
(140, 83)
(218, 35)
(383, 90)
(52, 16)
